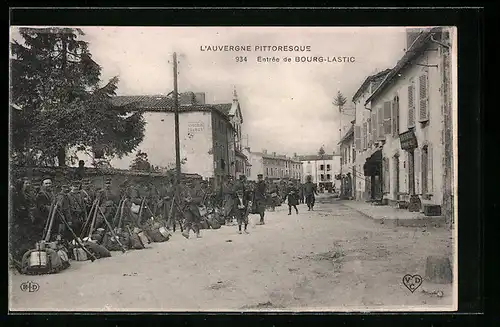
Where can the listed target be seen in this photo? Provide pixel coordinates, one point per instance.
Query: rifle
(113, 234)
(77, 239)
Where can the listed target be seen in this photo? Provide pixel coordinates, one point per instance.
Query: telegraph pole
(341, 154)
(176, 113)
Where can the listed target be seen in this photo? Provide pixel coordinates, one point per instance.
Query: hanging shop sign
(408, 140)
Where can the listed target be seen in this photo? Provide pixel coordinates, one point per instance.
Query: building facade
(401, 138)
(365, 186)
(206, 136)
(322, 169)
(348, 172)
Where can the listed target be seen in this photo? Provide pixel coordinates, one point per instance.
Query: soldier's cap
(108, 181)
(137, 201)
(259, 175)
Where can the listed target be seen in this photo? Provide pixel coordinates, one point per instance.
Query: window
(328, 167)
(411, 104)
(368, 133)
(423, 102)
(387, 117)
(348, 152)
(395, 117)
(321, 167)
(357, 137)
(364, 141)
(322, 177)
(328, 177)
(374, 125)
(380, 123)
(353, 155)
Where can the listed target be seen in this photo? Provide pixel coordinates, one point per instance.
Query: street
(331, 259)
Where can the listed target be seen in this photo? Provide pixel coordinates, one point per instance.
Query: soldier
(107, 203)
(292, 196)
(64, 210)
(274, 195)
(192, 197)
(310, 192)
(228, 189)
(44, 200)
(260, 197)
(301, 193)
(77, 206)
(243, 201)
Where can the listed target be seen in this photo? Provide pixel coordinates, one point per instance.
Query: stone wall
(65, 175)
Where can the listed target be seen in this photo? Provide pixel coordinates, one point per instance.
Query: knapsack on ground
(44, 260)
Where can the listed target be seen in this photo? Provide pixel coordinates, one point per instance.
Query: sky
(287, 107)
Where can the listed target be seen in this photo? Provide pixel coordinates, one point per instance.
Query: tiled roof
(347, 135)
(223, 107)
(415, 50)
(164, 103)
(367, 81)
(315, 157)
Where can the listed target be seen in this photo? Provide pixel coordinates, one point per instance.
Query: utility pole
(341, 155)
(176, 113)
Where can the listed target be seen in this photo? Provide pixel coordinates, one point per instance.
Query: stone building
(321, 168)
(401, 127)
(207, 135)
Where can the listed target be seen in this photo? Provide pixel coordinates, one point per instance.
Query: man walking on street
(292, 196)
(310, 192)
(260, 197)
(243, 201)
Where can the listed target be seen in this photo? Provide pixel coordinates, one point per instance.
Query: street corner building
(210, 135)
(402, 132)
(273, 166)
(321, 168)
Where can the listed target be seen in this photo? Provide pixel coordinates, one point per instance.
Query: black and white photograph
(233, 169)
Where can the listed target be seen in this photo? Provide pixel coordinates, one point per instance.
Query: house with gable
(206, 131)
(402, 145)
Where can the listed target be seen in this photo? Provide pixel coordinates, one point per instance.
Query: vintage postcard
(233, 169)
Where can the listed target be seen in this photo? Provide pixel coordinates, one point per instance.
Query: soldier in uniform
(301, 193)
(64, 211)
(44, 200)
(228, 189)
(310, 192)
(192, 197)
(88, 193)
(77, 206)
(260, 198)
(243, 200)
(107, 203)
(274, 195)
(292, 196)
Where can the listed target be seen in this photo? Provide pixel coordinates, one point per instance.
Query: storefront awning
(373, 163)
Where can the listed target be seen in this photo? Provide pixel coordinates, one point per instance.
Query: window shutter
(369, 133)
(423, 98)
(387, 117)
(365, 135)
(430, 176)
(411, 106)
(395, 117)
(380, 125)
(374, 126)
(357, 137)
(418, 169)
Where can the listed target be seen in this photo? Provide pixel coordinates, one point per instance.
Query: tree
(141, 162)
(57, 84)
(340, 100)
(321, 151)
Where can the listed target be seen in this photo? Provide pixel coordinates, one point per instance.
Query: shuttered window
(395, 117)
(374, 125)
(357, 137)
(365, 135)
(387, 117)
(380, 124)
(423, 101)
(411, 105)
(425, 172)
(369, 133)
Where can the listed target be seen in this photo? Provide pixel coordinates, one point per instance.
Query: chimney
(186, 99)
(412, 34)
(295, 154)
(274, 154)
(199, 97)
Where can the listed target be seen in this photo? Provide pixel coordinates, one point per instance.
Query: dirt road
(331, 259)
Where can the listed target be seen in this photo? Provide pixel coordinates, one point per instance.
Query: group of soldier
(237, 199)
